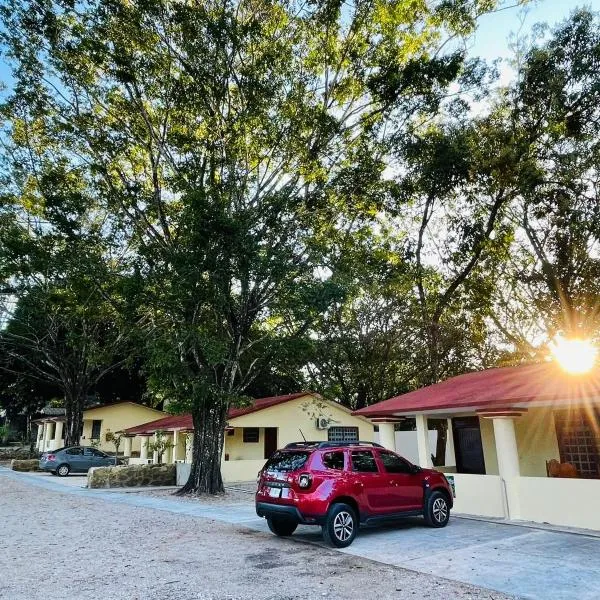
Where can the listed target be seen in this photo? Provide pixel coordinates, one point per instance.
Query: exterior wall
(183, 473)
(241, 470)
(237, 449)
(116, 418)
(488, 442)
(232, 471)
(406, 444)
(481, 495)
(536, 441)
(568, 502)
(179, 451)
(289, 418)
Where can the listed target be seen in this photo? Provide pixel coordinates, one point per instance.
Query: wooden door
(468, 446)
(270, 441)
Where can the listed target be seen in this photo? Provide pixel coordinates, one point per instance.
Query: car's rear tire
(63, 470)
(281, 527)
(341, 525)
(437, 510)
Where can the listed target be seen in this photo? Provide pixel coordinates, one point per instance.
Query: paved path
(522, 561)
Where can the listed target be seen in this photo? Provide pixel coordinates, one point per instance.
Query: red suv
(340, 485)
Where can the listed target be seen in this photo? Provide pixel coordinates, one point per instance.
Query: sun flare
(575, 355)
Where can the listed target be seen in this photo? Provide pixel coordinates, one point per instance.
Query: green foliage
(550, 283)
(160, 444)
(212, 171)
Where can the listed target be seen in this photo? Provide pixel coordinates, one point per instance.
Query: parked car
(74, 459)
(341, 485)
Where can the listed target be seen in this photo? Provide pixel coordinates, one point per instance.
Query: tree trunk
(434, 352)
(361, 396)
(73, 419)
(441, 426)
(209, 430)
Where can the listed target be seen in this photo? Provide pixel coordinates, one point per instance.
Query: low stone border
(25, 465)
(131, 476)
(17, 454)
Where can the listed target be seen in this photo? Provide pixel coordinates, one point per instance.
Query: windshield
(286, 461)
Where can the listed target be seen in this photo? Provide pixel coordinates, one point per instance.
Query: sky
(491, 39)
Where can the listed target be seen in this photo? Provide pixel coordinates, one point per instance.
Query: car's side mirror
(414, 469)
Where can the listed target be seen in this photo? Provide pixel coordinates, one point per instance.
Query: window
(88, 452)
(334, 460)
(577, 442)
(99, 453)
(251, 435)
(74, 451)
(364, 462)
(394, 464)
(286, 461)
(96, 426)
(342, 434)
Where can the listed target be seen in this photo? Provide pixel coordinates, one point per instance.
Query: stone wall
(21, 453)
(24, 465)
(131, 476)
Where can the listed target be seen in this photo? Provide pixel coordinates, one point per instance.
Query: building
(254, 432)
(97, 422)
(511, 430)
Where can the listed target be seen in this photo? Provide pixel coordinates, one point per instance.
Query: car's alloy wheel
(340, 526)
(343, 526)
(437, 509)
(440, 510)
(63, 470)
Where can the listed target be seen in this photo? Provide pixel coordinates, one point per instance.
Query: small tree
(115, 438)
(160, 445)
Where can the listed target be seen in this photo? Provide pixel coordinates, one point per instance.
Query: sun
(575, 355)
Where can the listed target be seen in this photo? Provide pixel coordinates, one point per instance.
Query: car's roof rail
(359, 443)
(299, 445)
(313, 445)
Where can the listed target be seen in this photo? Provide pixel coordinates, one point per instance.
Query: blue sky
(491, 39)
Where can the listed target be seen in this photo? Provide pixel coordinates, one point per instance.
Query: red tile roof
(185, 421)
(166, 423)
(262, 403)
(501, 387)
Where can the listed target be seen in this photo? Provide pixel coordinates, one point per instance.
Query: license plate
(274, 492)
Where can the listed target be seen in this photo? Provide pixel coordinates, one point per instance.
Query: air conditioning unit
(322, 423)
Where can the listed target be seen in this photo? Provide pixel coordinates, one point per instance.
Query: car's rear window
(286, 461)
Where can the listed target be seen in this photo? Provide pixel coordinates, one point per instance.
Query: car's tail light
(50, 457)
(304, 481)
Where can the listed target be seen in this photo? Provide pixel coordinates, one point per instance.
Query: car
(74, 459)
(340, 485)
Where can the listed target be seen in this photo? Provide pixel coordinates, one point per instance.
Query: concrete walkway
(522, 561)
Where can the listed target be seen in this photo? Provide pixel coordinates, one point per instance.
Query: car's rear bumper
(290, 513)
(47, 466)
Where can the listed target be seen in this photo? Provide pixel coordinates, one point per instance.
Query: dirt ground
(61, 545)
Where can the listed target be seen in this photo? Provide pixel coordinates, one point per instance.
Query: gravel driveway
(70, 546)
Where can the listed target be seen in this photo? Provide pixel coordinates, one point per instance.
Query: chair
(558, 469)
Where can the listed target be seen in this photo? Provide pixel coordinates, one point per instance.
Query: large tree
(233, 141)
(56, 251)
(550, 283)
